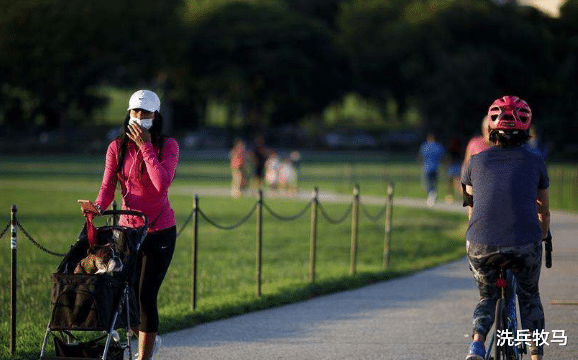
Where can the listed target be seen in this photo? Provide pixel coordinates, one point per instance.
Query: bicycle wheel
(511, 319)
(492, 344)
(499, 346)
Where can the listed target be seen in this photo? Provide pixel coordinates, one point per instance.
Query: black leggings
(154, 259)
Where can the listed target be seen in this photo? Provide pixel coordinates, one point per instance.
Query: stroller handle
(128, 212)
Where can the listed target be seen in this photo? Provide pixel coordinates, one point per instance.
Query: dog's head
(100, 259)
(105, 259)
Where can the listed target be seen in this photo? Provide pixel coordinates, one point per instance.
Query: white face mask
(143, 123)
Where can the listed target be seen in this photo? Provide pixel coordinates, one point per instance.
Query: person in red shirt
(238, 158)
(144, 161)
(478, 143)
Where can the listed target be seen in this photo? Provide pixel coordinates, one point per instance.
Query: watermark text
(540, 338)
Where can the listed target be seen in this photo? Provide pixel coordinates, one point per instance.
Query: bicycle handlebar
(548, 248)
(129, 212)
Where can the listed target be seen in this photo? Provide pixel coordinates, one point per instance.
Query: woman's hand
(139, 135)
(89, 207)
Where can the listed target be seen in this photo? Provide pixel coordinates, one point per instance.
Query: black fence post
(313, 238)
(354, 230)
(259, 245)
(195, 252)
(13, 283)
(388, 217)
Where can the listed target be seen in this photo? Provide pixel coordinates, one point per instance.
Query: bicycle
(502, 345)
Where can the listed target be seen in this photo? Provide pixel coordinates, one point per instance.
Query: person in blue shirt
(431, 153)
(535, 145)
(506, 191)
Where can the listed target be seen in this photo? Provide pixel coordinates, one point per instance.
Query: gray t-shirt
(505, 183)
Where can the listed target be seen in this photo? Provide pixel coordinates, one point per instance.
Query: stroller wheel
(115, 336)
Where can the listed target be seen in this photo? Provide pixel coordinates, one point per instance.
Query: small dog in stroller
(101, 259)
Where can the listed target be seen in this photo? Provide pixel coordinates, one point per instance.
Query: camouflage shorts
(531, 311)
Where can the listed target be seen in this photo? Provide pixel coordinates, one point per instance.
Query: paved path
(423, 316)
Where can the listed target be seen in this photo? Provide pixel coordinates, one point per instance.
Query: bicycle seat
(504, 261)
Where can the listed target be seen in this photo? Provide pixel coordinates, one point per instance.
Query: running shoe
(477, 351)
(158, 343)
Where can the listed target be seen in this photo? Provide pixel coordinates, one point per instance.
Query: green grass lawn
(46, 189)
(373, 173)
(337, 173)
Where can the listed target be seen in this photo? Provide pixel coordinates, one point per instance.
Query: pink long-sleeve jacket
(142, 190)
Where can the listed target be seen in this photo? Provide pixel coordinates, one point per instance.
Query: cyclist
(506, 189)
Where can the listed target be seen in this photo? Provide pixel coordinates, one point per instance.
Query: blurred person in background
(478, 143)
(454, 169)
(272, 170)
(431, 153)
(259, 154)
(295, 157)
(288, 176)
(535, 145)
(238, 160)
(144, 161)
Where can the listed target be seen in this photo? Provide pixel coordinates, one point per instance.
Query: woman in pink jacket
(144, 162)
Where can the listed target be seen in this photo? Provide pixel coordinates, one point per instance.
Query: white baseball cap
(146, 100)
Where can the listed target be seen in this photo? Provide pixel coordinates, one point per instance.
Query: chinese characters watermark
(539, 338)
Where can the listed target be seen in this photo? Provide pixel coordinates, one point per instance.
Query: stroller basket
(96, 302)
(88, 302)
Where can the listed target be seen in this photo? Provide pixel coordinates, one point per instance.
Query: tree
(56, 50)
(383, 48)
(269, 60)
(451, 58)
(559, 107)
(569, 11)
(324, 10)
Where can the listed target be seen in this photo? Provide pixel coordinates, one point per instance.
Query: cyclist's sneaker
(477, 351)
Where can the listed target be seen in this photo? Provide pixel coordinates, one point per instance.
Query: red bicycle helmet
(509, 113)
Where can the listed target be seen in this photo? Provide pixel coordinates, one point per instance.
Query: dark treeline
(277, 61)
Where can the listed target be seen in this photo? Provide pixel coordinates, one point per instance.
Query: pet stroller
(96, 303)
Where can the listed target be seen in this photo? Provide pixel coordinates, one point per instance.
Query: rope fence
(335, 221)
(373, 218)
(229, 227)
(287, 218)
(314, 206)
